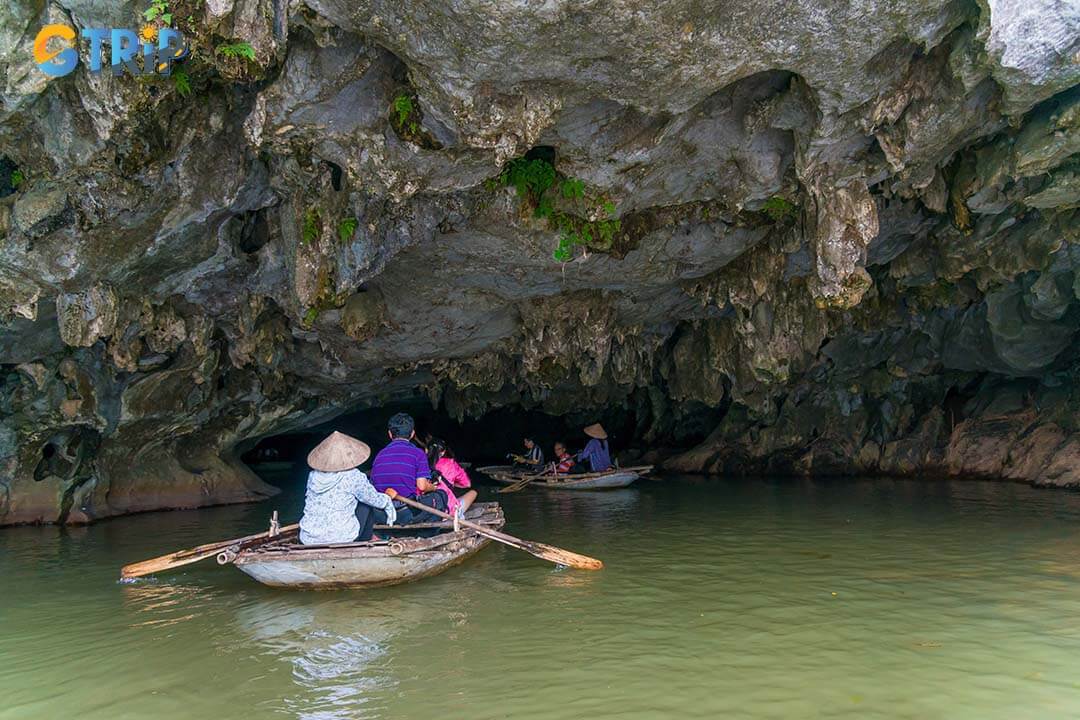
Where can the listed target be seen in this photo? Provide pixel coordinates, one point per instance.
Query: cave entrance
(478, 441)
(542, 152)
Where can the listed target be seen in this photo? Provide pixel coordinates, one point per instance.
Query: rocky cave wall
(835, 236)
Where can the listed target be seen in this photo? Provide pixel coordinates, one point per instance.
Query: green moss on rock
(780, 210)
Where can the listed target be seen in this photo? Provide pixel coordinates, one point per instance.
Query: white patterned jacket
(330, 506)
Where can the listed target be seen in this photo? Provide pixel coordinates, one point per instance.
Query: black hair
(401, 425)
(435, 450)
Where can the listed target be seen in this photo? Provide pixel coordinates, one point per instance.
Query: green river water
(739, 599)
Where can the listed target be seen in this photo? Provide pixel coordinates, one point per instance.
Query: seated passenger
(340, 504)
(565, 461)
(596, 452)
(402, 469)
(449, 475)
(533, 459)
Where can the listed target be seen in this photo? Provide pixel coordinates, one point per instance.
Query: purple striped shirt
(397, 466)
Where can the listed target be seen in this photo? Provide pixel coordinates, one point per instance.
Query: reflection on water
(756, 599)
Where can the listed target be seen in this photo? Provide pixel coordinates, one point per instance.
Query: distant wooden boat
(283, 562)
(616, 478)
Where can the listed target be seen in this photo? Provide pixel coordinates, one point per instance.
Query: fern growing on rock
(311, 226)
(593, 225)
(182, 82)
(407, 121)
(237, 50)
(346, 228)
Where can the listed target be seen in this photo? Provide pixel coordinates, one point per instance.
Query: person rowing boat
(340, 503)
(596, 454)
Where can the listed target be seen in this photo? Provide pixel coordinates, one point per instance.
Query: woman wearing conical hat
(340, 498)
(596, 452)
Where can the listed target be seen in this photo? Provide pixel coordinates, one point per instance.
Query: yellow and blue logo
(146, 52)
(55, 63)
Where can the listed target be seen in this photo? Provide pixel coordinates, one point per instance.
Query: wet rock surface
(837, 237)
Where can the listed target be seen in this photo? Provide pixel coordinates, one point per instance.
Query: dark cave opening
(11, 177)
(335, 176)
(542, 152)
(46, 467)
(254, 232)
(485, 440)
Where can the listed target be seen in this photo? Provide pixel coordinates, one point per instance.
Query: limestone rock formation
(831, 237)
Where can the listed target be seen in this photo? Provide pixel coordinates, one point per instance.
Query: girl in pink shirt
(452, 475)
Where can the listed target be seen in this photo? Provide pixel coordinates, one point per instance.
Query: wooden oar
(515, 487)
(522, 483)
(540, 550)
(186, 557)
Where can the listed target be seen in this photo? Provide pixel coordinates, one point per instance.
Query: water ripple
(750, 599)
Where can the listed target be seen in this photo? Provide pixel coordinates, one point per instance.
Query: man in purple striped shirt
(401, 468)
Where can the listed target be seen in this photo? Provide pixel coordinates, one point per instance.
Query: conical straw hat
(596, 431)
(338, 452)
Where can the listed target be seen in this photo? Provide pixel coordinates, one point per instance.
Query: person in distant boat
(533, 459)
(596, 453)
(448, 474)
(402, 469)
(340, 504)
(564, 461)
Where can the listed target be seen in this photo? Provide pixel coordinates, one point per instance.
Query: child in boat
(564, 460)
(596, 452)
(340, 503)
(449, 475)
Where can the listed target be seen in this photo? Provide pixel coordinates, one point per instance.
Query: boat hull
(341, 569)
(590, 481)
(615, 480)
(363, 565)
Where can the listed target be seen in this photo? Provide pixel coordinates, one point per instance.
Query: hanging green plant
(311, 226)
(346, 228)
(567, 211)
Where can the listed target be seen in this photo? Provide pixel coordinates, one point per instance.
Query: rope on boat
(227, 555)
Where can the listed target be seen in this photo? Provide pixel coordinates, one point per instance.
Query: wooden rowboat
(283, 562)
(617, 478)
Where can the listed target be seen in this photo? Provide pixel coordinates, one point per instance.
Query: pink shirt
(454, 473)
(451, 500)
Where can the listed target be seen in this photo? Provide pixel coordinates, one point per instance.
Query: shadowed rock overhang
(846, 229)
